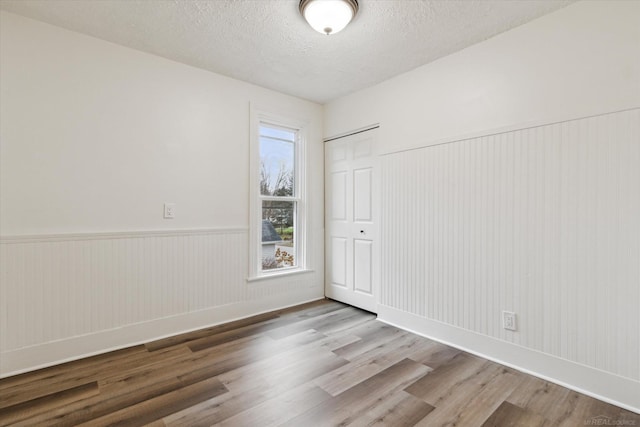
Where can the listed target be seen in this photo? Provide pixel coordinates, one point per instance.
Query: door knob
(361, 231)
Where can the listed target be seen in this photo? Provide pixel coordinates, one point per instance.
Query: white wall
(579, 61)
(95, 138)
(513, 199)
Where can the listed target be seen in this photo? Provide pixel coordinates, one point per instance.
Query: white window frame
(263, 116)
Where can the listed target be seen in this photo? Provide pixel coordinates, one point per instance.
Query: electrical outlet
(169, 210)
(509, 320)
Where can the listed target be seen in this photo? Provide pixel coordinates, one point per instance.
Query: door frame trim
(352, 132)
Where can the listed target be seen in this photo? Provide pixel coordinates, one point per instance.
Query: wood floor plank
(86, 371)
(564, 407)
(372, 334)
(312, 309)
(30, 385)
(278, 328)
(542, 397)
(346, 407)
(463, 369)
(232, 335)
(435, 355)
(289, 315)
(155, 408)
(18, 394)
(10, 415)
(319, 364)
(510, 415)
(207, 332)
(353, 321)
(215, 361)
(368, 364)
(471, 404)
(361, 367)
(254, 383)
(308, 364)
(399, 409)
(256, 357)
(317, 323)
(133, 387)
(279, 409)
(111, 399)
(285, 363)
(51, 374)
(51, 380)
(249, 391)
(587, 409)
(126, 372)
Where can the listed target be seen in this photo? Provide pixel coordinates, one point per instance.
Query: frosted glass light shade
(328, 16)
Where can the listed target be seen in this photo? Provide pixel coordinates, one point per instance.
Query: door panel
(339, 196)
(362, 195)
(351, 212)
(363, 263)
(339, 261)
(363, 148)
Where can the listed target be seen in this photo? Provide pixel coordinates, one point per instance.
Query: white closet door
(352, 206)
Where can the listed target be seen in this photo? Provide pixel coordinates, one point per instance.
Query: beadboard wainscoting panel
(542, 221)
(67, 296)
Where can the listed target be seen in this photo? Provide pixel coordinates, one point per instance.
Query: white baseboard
(27, 359)
(601, 385)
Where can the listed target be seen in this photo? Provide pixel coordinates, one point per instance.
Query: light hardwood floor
(319, 364)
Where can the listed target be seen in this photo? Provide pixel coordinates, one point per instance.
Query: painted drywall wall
(95, 138)
(511, 155)
(579, 61)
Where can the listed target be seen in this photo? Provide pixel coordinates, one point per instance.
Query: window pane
(277, 167)
(285, 134)
(278, 234)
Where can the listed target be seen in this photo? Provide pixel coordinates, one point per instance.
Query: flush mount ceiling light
(328, 16)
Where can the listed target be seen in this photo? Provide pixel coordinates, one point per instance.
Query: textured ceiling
(267, 42)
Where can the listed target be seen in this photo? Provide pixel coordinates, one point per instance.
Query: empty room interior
(320, 212)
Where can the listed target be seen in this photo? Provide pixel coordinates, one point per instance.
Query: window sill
(279, 274)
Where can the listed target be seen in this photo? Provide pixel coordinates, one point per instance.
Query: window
(277, 231)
